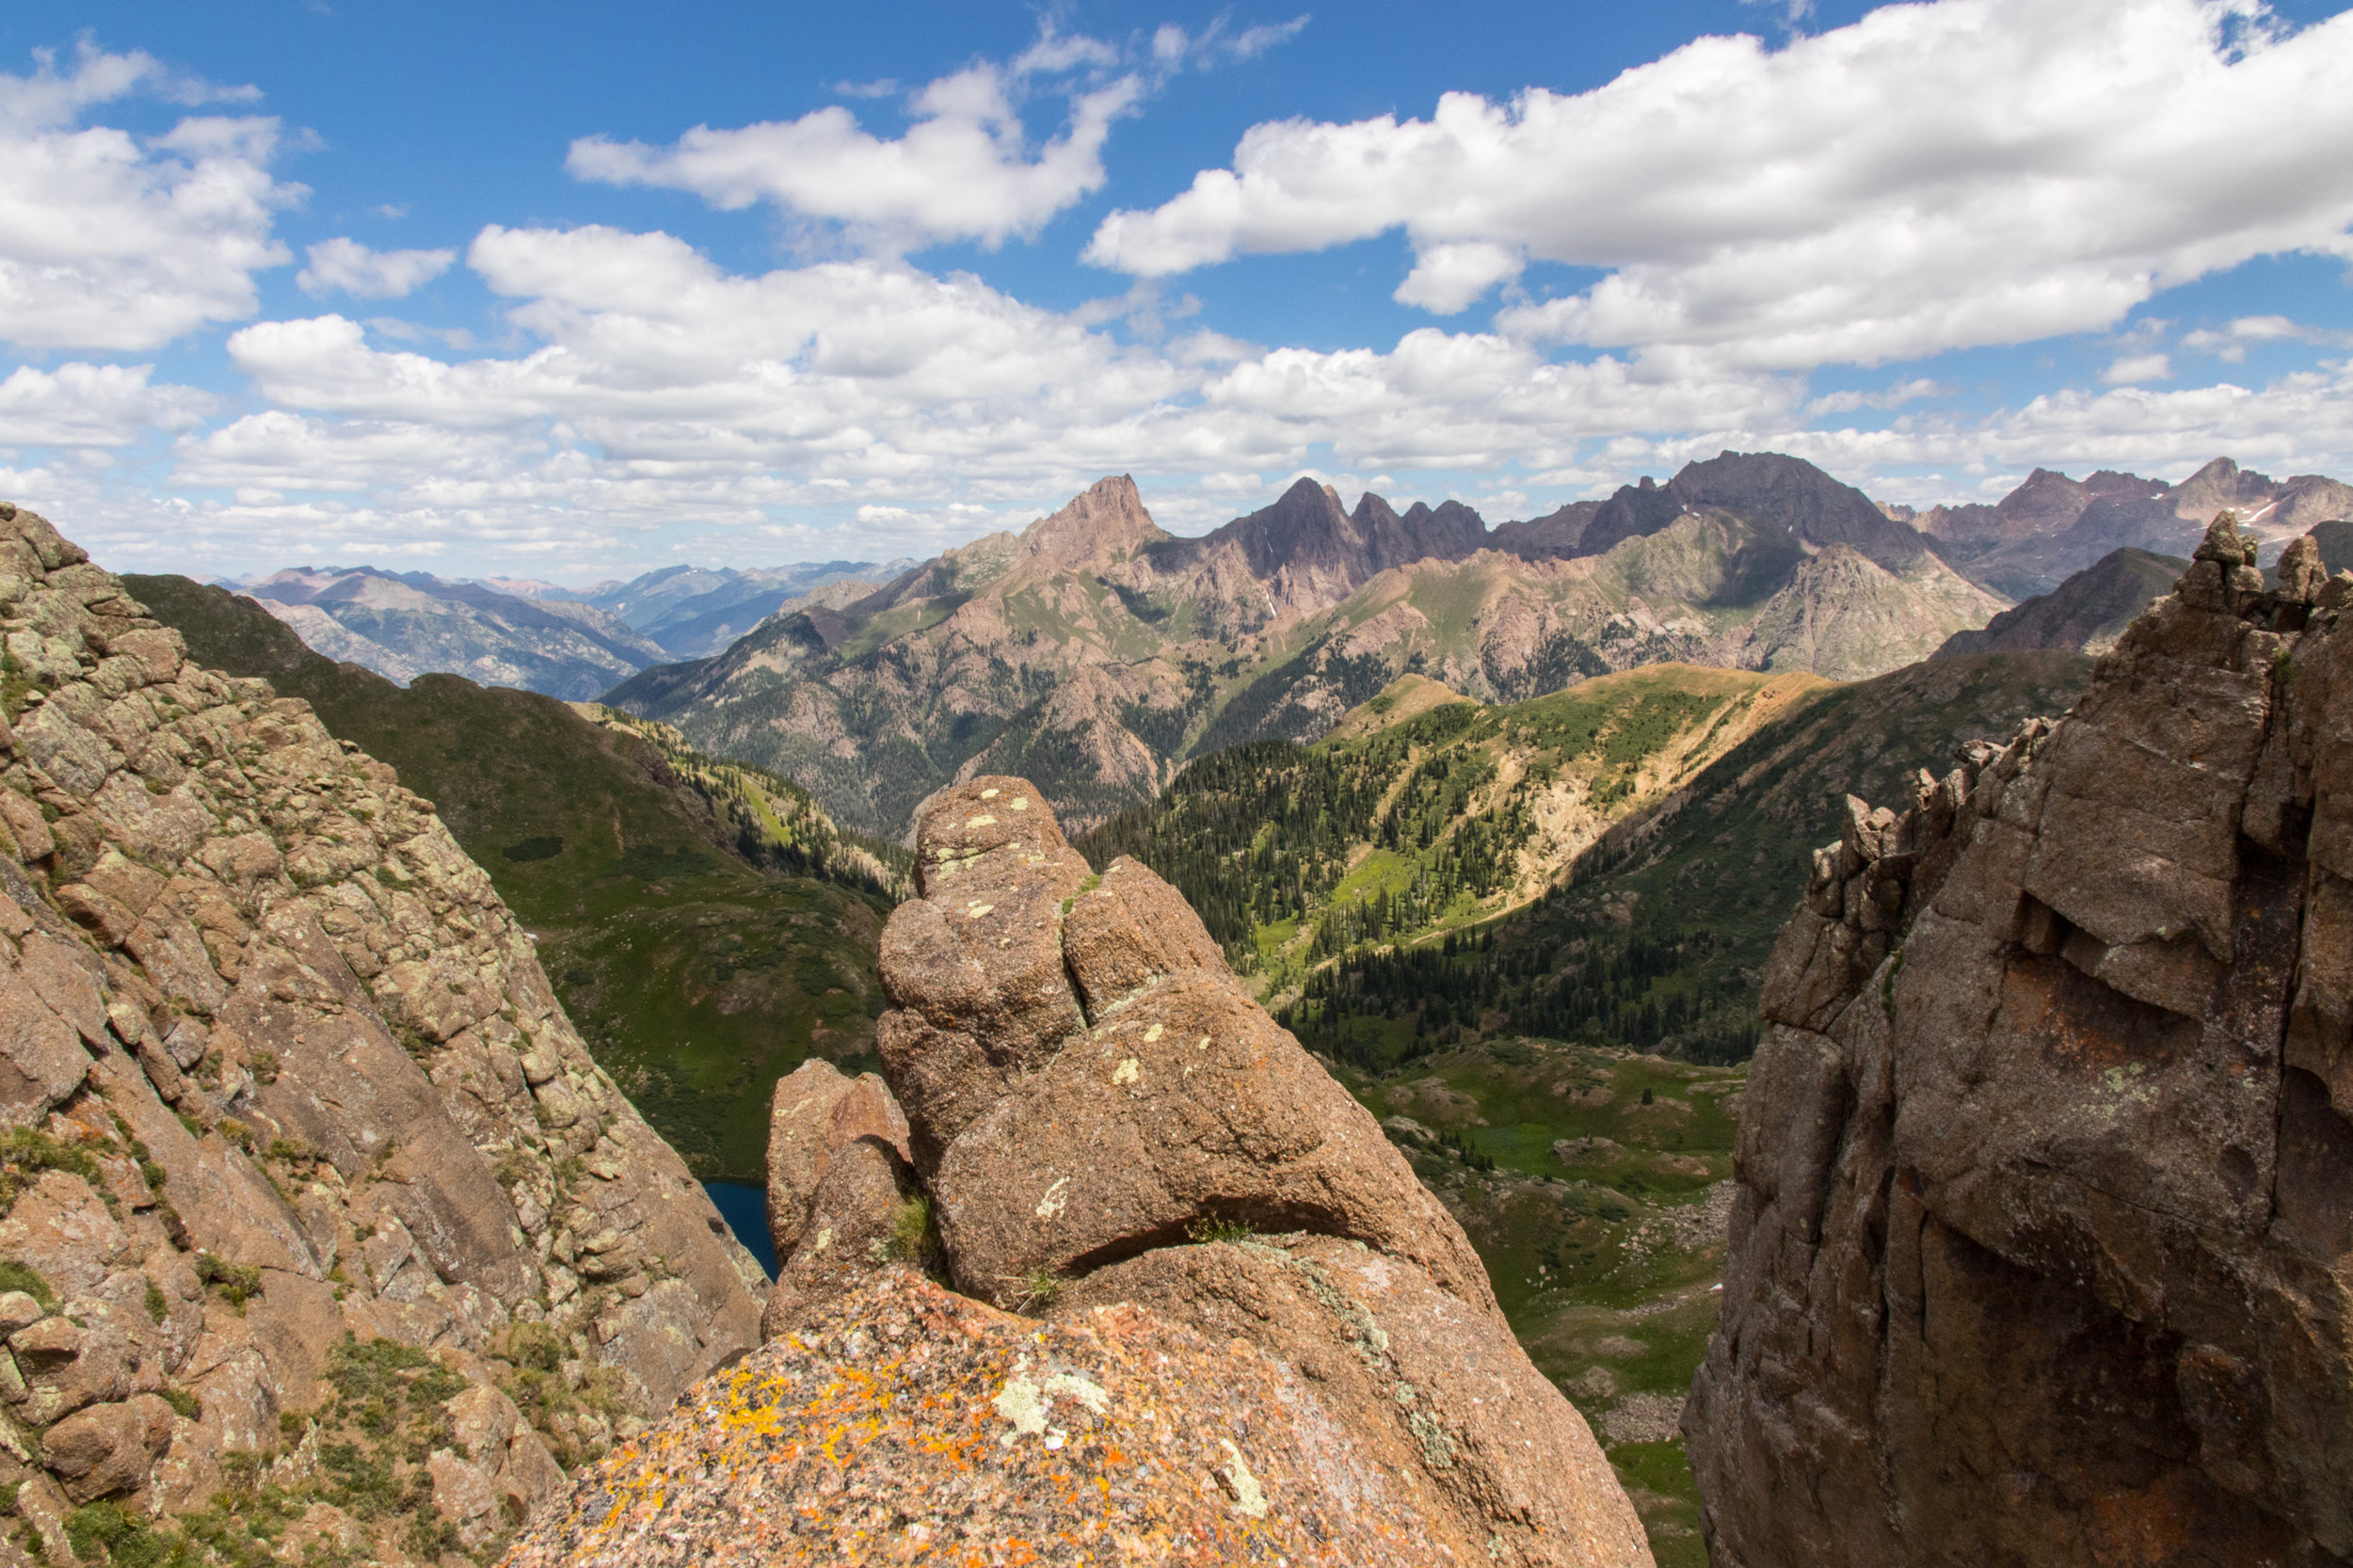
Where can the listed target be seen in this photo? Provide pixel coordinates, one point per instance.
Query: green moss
(238, 1283)
(16, 1275)
(26, 1152)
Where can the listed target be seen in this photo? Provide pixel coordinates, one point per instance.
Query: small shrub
(1212, 1228)
(535, 1347)
(26, 1152)
(1039, 1289)
(183, 1403)
(263, 1064)
(238, 1283)
(914, 1236)
(158, 1305)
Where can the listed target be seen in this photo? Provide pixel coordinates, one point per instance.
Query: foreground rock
(315, 1205)
(1228, 1325)
(2043, 1251)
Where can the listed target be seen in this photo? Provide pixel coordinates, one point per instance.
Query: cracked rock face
(291, 1106)
(2044, 1243)
(1251, 1334)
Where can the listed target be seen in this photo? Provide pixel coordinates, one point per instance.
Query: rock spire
(2045, 1222)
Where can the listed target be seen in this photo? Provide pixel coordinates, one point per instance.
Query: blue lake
(746, 1210)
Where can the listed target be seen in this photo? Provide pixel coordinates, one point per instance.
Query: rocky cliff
(318, 1227)
(2044, 1244)
(1184, 1302)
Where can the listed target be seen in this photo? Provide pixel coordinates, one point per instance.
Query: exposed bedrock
(1202, 1312)
(2045, 1235)
(293, 1125)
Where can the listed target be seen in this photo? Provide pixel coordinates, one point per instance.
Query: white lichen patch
(976, 911)
(1021, 803)
(984, 820)
(1127, 1071)
(1249, 1498)
(1051, 1204)
(989, 795)
(1025, 1403)
(1154, 1032)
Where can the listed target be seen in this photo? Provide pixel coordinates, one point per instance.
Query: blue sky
(568, 292)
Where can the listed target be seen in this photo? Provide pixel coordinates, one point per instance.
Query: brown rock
(814, 1112)
(1187, 1104)
(1130, 931)
(852, 1224)
(989, 1438)
(108, 1448)
(2041, 1230)
(1434, 1389)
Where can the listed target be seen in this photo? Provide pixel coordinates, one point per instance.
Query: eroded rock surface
(1228, 1325)
(2045, 1235)
(293, 1124)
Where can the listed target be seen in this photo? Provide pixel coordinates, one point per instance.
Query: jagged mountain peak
(1772, 487)
(1105, 521)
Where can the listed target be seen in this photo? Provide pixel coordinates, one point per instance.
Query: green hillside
(704, 924)
(1608, 865)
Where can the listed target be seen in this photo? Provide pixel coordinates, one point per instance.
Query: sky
(574, 292)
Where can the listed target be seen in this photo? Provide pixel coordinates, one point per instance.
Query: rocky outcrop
(1203, 1312)
(2042, 1248)
(314, 1203)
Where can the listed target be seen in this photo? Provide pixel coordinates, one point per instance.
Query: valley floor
(1596, 1185)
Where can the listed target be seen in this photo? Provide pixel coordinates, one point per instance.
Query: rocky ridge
(2042, 1241)
(318, 1224)
(1202, 1310)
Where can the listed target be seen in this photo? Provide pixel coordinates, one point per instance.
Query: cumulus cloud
(964, 169)
(1933, 176)
(92, 406)
(654, 388)
(365, 273)
(112, 242)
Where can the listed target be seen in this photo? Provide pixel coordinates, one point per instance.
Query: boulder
(108, 1448)
(813, 1112)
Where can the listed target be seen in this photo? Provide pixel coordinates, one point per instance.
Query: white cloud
(365, 273)
(1933, 176)
(964, 169)
(100, 405)
(2229, 344)
(111, 242)
(658, 390)
(1893, 397)
(2135, 368)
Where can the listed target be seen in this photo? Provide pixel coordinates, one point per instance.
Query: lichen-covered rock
(901, 1423)
(299, 1143)
(1262, 1340)
(2042, 1248)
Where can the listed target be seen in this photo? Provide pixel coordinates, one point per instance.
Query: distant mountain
(2052, 526)
(1094, 650)
(2084, 614)
(406, 625)
(692, 612)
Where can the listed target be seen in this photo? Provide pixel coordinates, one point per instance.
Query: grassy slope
(697, 978)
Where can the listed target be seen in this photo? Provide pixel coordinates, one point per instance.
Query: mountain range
(2052, 526)
(573, 644)
(1094, 651)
